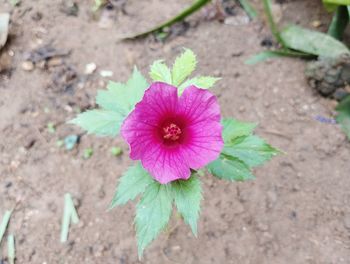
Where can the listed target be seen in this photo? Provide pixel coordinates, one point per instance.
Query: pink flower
(172, 134)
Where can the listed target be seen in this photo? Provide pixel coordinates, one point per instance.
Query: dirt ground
(296, 211)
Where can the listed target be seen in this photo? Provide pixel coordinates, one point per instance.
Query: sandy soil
(296, 211)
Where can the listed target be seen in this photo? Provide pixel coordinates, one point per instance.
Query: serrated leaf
(113, 98)
(122, 98)
(136, 87)
(234, 128)
(99, 122)
(184, 65)
(204, 82)
(152, 214)
(160, 72)
(343, 117)
(187, 195)
(116, 103)
(230, 168)
(252, 150)
(132, 183)
(312, 42)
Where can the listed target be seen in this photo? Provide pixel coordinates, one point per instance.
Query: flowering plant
(175, 132)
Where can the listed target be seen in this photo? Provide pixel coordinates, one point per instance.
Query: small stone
(106, 73)
(241, 109)
(316, 23)
(27, 66)
(54, 62)
(90, 68)
(236, 20)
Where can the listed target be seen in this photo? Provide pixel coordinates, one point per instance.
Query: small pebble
(27, 66)
(90, 68)
(316, 23)
(54, 62)
(106, 73)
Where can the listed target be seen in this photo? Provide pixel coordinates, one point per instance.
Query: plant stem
(272, 24)
(185, 13)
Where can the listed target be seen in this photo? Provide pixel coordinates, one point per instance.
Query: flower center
(171, 132)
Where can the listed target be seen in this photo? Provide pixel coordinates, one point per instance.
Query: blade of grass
(74, 214)
(182, 15)
(4, 223)
(69, 214)
(248, 8)
(262, 56)
(272, 24)
(11, 255)
(339, 22)
(65, 220)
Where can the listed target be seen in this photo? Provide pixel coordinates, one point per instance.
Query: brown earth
(296, 211)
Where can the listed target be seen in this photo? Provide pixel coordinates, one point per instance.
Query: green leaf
(234, 128)
(184, 65)
(152, 214)
(160, 72)
(248, 8)
(312, 42)
(188, 194)
(11, 251)
(230, 168)
(251, 149)
(330, 7)
(136, 87)
(339, 22)
(4, 223)
(343, 117)
(264, 55)
(113, 98)
(116, 103)
(337, 2)
(204, 82)
(132, 183)
(99, 122)
(122, 98)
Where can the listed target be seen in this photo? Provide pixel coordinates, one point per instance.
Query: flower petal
(165, 165)
(205, 141)
(139, 127)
